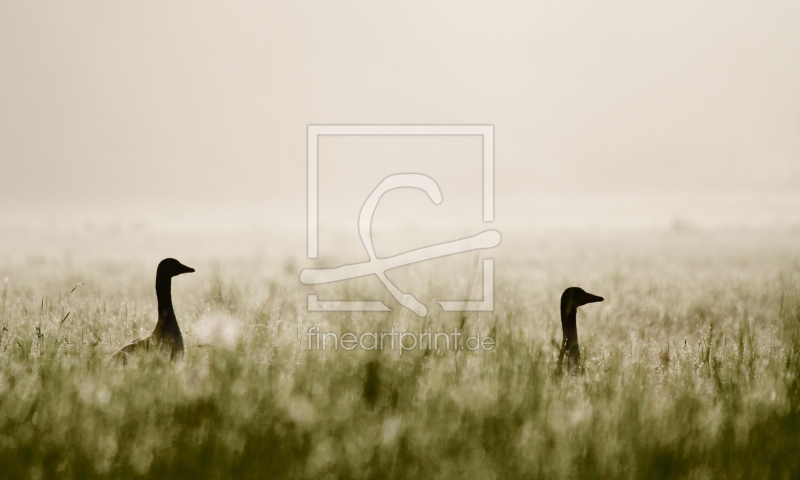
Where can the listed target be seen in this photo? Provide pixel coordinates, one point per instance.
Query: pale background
(193, 115)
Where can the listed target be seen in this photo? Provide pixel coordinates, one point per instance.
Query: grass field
(692, 363)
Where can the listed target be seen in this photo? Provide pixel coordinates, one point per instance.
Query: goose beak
(592, 298)
(185, 269)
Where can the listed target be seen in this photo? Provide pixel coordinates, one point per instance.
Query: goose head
(574, 297)
(169, 267)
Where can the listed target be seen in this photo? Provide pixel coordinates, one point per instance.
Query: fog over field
(137, 111)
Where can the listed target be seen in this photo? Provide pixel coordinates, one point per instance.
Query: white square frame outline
(313, 134)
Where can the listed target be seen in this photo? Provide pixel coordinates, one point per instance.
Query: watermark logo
(378, 266)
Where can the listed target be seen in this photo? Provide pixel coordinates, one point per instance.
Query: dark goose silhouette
(571, 299)
(167, 334)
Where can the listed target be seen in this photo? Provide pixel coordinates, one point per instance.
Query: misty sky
(141, 103)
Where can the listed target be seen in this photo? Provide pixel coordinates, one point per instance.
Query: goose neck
(164, 295)
(569, 327)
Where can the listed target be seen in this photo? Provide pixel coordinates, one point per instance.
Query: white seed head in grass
(218, 329)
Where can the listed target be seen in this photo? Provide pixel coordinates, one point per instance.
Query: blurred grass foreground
(692, 365)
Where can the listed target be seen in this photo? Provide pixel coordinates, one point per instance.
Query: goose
(167, 334)
(571, 299)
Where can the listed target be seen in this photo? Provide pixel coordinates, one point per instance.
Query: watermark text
(400, 341)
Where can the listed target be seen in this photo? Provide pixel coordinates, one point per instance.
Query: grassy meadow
(691, 364)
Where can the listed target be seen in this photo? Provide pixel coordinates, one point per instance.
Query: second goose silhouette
(167, 334)
(571, 299)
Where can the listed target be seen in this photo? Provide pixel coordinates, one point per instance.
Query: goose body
(571, 299)
(167, 334)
